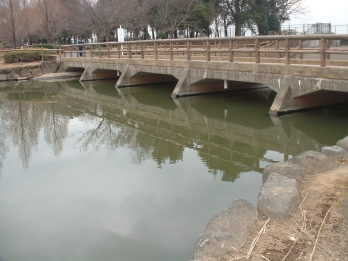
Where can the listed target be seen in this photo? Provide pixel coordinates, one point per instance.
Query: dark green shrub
(24, 56)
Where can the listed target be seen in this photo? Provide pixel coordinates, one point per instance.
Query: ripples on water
(91, 173)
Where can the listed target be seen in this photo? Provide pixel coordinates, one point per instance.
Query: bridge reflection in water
(226, 136)
(106, 200)
(229, 137)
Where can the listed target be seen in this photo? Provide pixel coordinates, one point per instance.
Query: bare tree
(8, 23)
(13, 23)
(237, 11)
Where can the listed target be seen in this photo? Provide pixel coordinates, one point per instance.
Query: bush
(23, 56)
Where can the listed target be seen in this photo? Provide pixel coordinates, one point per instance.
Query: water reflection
(25, 113)
(132, 174)
(229, 136)
(3, 145)
(155, 126)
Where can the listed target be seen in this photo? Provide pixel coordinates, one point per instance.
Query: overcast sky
(333, 11)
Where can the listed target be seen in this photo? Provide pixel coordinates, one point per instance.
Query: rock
(227, 232)
(287, 168)
(279, 197)
(334, 151)
(314, 162)
(343, 143)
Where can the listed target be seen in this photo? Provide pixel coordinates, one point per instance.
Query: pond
(88, 172)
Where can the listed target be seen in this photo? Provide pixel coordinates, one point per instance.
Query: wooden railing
(319, 50)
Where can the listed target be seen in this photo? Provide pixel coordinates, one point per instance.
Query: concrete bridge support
(132, 77)
(93, 74)
(303, 94)
(196, 82)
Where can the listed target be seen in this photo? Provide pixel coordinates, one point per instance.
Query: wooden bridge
(304, 71)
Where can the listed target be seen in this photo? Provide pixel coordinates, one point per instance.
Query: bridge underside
(298, 87)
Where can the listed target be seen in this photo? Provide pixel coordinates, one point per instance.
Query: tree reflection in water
(229, 138)
(3, 128)
(24, 117)
(113, 135)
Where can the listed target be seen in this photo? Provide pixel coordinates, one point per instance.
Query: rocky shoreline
(26, 71)
(299, 197)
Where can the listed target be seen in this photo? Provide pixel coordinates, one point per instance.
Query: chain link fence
(318, 28)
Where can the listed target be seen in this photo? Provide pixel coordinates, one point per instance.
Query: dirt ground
(17, 65)
(317, 231)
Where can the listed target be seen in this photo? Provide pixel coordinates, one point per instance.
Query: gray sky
(333, 11)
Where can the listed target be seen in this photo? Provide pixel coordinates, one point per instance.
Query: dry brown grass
(317, 231)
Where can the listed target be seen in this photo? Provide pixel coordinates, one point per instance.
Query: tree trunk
(217, 33)
(225, 28)
(238, 29)
(13, 24)
(261, 29)
(153, 33)
(47, 21)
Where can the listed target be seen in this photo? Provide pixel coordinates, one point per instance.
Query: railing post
(278, 47)
(301, 49)
(208, 51)
(287, 53)
(119, 50)
(156, 50)
(257, 50)
(328, 47)
(322, 52)
(188, 49)
(171, 51)
(129, 49)
(231, 51)
(109, 51)
(142, 51)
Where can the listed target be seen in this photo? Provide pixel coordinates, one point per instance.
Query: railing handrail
(239, 38)
(30, 49)
(287, 49)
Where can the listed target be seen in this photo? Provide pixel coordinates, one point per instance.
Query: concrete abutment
(93, 74)
(132, 77)
(286, 102)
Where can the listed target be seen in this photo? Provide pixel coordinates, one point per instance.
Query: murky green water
(91, 173)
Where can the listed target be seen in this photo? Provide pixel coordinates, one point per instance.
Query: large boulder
(287, 168)
(314, 162)
(343, 143)
(334, 151)
(228, 232)
(279, 197)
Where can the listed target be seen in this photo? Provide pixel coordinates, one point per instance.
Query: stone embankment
(26, 71)
(301, 214)
(58, 76)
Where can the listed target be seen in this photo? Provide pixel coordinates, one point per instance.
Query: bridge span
(304, 71)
